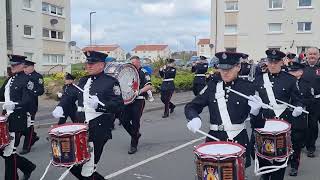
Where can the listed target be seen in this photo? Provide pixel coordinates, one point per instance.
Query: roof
(150, 47)
(203, 41)
(101, 48)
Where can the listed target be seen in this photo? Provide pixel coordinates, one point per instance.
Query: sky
(132, 22)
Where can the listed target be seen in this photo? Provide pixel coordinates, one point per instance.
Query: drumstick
(290, 105)
(101, 103)
(247, 97)
(208, 135)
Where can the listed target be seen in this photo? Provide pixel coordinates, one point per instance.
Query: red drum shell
(4, 132)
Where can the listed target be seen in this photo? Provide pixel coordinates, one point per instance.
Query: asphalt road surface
(165, 153)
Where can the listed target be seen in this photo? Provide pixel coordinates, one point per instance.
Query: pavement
(165, 152)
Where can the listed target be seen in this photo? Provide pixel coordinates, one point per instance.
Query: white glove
(58, 112)
(93, 102)
(194, 125)
(255, 102)
(59, 94)
(8, 106)
(297, 111)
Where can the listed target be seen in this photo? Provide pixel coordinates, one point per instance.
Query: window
(275, 27)
(202, 45)
(27, 4)
(232, 6)
(45, 7)
(231, 49)
(303, 49)
(275, 4)
(60, 35)
(305, 3)
(52, 9)
(28, 55)
(304, 26)
(27, 30)
(45, 33)
(53, 34)
(53, 59)
(230, 29)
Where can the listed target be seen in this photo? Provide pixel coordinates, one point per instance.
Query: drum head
(128, 78)
(220, 149)
(274, 126)
(2, 118)
(68, 128)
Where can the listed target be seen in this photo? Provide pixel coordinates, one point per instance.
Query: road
(165, 152)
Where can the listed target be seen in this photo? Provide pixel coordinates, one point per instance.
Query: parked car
(192, 60)
(180, 62)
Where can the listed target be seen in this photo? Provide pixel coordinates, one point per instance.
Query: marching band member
(36, 80)
(299, 124)
(168, 73)
(312, 74)
(69, 92)
(17, 94)
(272, 85)
(100, 101)
(228, 111)
(132, 112)
(200, 69)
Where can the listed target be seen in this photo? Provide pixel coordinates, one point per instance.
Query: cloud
(132, 22)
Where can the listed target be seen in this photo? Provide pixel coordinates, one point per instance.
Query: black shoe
(165, 116)
(26, 176)
(132, 150)
(24, 151)
(310, 154)
(35, 140)
(172, 109)
(293, 172)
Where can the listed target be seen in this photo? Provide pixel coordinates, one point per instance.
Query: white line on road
(117, 173)
(140, 175)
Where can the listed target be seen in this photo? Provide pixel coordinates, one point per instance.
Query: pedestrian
(200, 69)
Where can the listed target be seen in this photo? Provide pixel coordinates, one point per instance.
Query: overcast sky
(132, 22)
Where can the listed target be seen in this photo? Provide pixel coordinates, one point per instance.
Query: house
(113, 50)
(152, 52)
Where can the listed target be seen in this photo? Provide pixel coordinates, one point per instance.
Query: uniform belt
(233, 127)
(243, 76)
(80, 109)
(317, 96)
(168, 79)
(200, 75)
(140, 97)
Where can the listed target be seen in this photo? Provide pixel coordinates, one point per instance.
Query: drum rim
(275, 132)
(4, 119)
(240, 153)
(68, 124)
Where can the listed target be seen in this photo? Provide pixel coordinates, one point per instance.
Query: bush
(2, 79)
(79, 74)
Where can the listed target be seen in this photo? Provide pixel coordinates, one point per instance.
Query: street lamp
(92, 12)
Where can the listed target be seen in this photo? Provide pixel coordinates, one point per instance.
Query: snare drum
(4, 132)
(274, 140)
(69, 144)
(220, 160)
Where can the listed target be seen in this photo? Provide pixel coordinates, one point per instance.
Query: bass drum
(128, 78)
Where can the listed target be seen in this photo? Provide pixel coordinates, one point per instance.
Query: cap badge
(274, 52)
(224, 56)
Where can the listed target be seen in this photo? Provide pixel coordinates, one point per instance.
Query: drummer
(228, 111)
(99, 103)
(277, 84)
(17, 93)
(133, 112)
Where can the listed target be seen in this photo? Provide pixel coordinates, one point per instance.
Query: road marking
(117, 173)
(139, 176)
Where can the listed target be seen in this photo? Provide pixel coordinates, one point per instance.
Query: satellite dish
(72, 43)
(53, 21)
(211, 46)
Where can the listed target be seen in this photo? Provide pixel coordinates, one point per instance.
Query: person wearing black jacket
(167, 73)
(200, 69)
(100, 101)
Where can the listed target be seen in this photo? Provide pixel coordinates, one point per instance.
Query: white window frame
(31, 31)
(235, 5)
(29, 2)
(272, 5)
(231, 33)
(272, 31)
(304, 27)
(29, 55)
(51, 57)
(50, 35)
(304, 7)
(50, 7)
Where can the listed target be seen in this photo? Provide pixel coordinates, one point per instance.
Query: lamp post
(92, 12)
